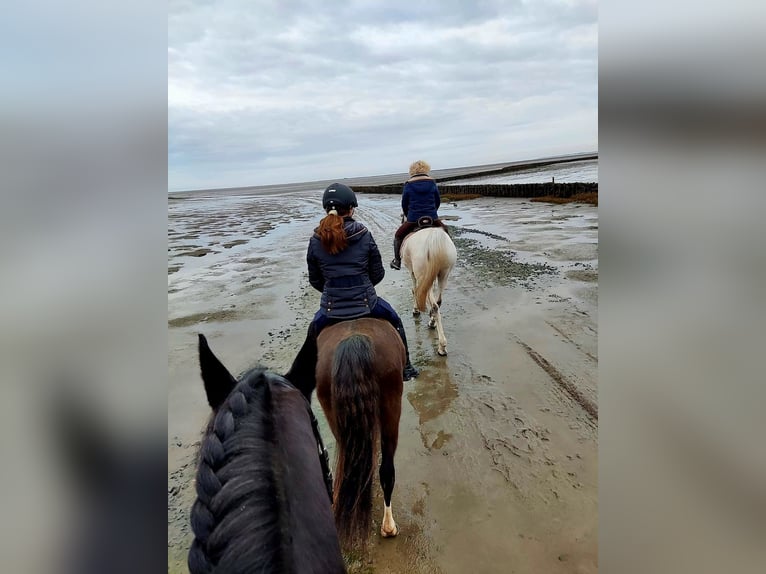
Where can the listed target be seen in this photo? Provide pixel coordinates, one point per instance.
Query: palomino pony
(430, 255)
(359, 385)
(263, 503)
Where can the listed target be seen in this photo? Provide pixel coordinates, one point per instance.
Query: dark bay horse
(263, 497)
(359, 385)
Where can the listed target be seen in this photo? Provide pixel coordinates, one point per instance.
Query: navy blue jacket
(420, 198)
(347, 278)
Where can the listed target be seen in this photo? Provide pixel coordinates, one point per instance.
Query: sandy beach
(496, 469)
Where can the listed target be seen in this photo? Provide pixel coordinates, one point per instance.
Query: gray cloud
(274, 92)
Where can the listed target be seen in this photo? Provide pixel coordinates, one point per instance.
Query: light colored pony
(430, 255)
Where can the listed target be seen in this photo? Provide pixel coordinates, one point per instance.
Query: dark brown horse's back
(359, 385)
(387, 345)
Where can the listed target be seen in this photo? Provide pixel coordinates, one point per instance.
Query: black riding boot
(302, 374)
(410, 372)
(397, 262)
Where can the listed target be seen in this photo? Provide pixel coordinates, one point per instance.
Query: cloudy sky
(279, 91)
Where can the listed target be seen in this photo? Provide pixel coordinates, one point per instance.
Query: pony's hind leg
(389, 437)
(442, 284)
(436, 323)
(433, 307)
(415, 310)
(442, 349)
(436, 313)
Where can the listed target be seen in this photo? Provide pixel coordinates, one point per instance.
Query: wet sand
(496, 469)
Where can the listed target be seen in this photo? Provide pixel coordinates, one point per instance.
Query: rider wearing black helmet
(339, 195)
(344, 264)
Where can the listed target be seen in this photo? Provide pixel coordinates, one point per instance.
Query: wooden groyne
(495, 189)
(517, 167)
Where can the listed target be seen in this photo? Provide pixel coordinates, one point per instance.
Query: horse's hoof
(441, 352)
(385, 534)
(432, 325)
(415, 312)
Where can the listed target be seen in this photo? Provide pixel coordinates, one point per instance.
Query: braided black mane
(238, 518)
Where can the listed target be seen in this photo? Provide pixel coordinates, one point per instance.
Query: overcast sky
(286, 91)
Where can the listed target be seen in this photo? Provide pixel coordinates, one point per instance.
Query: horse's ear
(217, 380)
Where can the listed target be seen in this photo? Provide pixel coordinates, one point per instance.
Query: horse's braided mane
(237, 519)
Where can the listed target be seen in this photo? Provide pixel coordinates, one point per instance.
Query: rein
(324, 457)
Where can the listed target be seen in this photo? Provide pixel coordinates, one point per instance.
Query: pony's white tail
(435, 258)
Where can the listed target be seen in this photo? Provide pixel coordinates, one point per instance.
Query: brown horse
(359, 385)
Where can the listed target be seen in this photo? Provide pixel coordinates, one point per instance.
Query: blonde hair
(419, 167)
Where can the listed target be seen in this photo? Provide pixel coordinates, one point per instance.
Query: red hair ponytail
(331, 233)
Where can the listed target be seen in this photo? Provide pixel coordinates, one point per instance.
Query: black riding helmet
(338, 195)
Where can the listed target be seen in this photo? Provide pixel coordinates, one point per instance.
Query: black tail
(355, 404)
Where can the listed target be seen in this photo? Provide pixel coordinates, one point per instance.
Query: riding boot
(397, 262)
(410, 372)
(302, 374)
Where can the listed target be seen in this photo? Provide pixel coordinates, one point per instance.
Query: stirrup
(396, 264)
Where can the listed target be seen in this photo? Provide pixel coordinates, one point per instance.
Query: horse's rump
(387, 346)
(430, 254)
(359, 370)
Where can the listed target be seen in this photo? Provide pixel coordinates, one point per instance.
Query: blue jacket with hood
(347, 278)
(420, 198)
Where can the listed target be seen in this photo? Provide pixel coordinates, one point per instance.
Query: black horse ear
(217, 380)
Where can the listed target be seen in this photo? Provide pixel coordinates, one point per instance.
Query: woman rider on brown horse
(345, 265)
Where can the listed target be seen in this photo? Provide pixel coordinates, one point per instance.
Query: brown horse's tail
(355, 404)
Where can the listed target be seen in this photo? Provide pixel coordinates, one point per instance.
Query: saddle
(426, 221)
(423, 223)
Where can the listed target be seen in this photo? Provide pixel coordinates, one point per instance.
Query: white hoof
(385, 534)
(388, 529)
(442, 352)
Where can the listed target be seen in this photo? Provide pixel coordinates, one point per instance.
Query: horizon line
(518, 163)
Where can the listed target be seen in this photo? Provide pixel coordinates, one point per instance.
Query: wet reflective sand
(496, 469)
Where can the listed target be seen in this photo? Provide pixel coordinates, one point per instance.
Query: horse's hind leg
(436, 319)
(433, 305)
(436, 323)
(415, 310)
(388, 528)
(389, 437)
(436, 313)
(443, 276)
